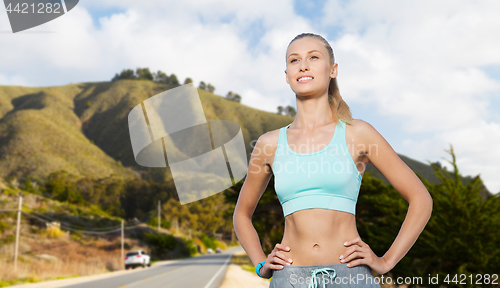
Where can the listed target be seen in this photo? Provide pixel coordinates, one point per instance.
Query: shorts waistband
(306, 269)
(315, 266)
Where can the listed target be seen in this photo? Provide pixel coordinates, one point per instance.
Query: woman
(318, 187)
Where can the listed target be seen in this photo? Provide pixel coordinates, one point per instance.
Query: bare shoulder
(362, 130)
(270, 137)
(363, 135)
(268, 142)
(360, 126)
(375, 144)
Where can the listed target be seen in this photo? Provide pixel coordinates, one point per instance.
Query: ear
(286, 77)
(334, 70)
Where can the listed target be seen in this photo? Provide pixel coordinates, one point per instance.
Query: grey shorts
(331, 275)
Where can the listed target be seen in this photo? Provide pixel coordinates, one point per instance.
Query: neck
(313, 111)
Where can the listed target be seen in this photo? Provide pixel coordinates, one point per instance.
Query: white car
(137, 258)
(210, 251)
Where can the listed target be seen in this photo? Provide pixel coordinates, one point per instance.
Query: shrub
(161, 244)
(209, 242)
(191, 247)
(54, 232)
(76, 236)
(8, 239)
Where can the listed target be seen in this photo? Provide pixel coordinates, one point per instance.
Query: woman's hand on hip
(358, 252)
(275, 260)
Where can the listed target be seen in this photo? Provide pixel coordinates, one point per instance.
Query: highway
(205, 271)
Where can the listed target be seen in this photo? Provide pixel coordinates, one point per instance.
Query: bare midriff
(317, 236)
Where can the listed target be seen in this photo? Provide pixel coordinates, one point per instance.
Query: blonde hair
(339, 108)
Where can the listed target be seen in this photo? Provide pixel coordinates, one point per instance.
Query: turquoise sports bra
(326, 179)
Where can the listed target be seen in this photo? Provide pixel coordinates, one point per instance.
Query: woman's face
(308, 68)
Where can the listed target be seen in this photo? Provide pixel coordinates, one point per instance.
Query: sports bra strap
(340, 137)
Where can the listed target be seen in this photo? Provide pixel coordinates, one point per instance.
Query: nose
(304, 66)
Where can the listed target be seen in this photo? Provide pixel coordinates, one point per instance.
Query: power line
(85, 231)
(57, 220)
(41, 218)
(105, 230)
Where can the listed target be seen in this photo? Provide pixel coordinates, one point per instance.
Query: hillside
(82, 128)
(40, 133)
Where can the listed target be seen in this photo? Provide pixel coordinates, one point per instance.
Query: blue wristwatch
(257, 268)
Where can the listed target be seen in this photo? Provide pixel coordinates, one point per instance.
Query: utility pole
(123, 254)
(18, 227)
(159, 218)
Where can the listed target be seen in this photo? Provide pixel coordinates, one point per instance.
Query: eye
(293, 60)
(314, 57)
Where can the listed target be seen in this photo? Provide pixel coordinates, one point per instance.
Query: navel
(316, 245)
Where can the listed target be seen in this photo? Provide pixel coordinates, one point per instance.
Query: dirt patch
(241, 273)
(42, 259)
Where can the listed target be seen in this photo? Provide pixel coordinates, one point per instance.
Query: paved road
(206, 271)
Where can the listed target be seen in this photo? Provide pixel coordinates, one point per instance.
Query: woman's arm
(256, 181)
(404, 180)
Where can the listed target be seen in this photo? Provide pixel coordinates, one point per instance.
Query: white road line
(215, 276)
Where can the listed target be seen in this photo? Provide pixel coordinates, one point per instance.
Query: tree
(290, 111)
(31, 186)
(161, 244)
(233, 96)
(280, 110)
(237, 98)
(202, 85)
(140, 73)
(461, 237)
(230, 95)
(144, 73)
(173, 80)
(188, 80)
(210, 88)
(125, 74)
(160, 77)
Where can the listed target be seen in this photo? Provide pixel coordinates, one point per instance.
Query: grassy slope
(40, 133)
(105, 121)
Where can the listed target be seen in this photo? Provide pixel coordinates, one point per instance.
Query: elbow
(238, 215)
(424, 202)
(427, 204)
(431, 203)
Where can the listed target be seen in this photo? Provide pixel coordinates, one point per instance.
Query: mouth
(304, 79)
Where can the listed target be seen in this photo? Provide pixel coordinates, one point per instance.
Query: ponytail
(340, 109)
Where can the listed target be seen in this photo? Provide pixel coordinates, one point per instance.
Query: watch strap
(257, 268)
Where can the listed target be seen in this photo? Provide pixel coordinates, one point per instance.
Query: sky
(425, 74)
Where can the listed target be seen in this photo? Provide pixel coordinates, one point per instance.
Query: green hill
(40, 133)
(82, 128)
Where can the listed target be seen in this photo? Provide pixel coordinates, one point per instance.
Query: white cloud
(475, 149)
(422, 61)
